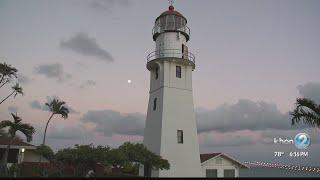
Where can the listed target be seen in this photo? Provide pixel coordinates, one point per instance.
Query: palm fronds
(306, 111)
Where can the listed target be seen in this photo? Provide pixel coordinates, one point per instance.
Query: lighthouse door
(147, 170)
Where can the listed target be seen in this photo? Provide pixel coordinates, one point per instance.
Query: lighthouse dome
(171, 11)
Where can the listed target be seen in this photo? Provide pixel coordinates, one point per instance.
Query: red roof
(16, 142)
(171, 11)
(204, 157)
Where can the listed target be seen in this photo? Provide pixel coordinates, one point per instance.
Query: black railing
(170, 53)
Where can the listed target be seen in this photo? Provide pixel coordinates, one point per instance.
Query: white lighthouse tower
(170, 129)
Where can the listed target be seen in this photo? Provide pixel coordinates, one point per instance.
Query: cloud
(53, 71)
(244, 115)
(72, 111)
(91, 82)
(110, 122)
(87, 84)
(13, 109)
(106, 5)
(243, 123)
(310, 90)
(37, 105)
(250, 137)
(237, 138)
(70, 133)
(83, 44)
(22, 79)
(41, 106)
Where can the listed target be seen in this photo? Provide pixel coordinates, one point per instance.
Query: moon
(129, 81)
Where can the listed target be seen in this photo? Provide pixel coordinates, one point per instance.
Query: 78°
(278, 154)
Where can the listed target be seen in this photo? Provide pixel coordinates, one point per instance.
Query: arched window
(157, 72)
(155, 104)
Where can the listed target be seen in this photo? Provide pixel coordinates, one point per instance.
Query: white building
(19, 152)
(220, 165)
(170, 129)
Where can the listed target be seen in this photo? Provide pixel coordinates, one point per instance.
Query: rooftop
(171, 11)
(204, 157)
(16, 142)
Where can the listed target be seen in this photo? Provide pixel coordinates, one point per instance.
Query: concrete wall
(175, 111)
(170, 40)
(225, 164)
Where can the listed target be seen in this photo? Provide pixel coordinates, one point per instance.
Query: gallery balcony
(172, 55)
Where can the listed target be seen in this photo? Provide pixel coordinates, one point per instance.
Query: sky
(253, 59)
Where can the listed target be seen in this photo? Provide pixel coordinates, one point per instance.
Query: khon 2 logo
(302, 141)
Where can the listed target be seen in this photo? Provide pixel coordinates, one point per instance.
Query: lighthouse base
(173, 115)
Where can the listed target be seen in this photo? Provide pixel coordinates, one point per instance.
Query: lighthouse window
(155, 104)
(177, 22)
(170, 22)
(178, 71)
(157, 72)
(162, 23)
(180, 136)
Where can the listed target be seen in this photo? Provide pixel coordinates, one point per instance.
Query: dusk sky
(253, 59)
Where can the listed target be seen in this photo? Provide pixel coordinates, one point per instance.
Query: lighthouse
(170, 129)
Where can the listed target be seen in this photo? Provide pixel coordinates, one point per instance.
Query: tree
(306, 111)
(82, 157)
(55, 107)
(45, 151)
(7, 73)
(15, 126)
(117, 159)
(16, 89)
(5, 134)
(125, 159)
(139, 154)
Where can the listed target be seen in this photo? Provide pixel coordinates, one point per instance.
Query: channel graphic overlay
(302, 141)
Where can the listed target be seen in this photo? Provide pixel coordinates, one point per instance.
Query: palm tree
(15, 126)
(7, 73)
(16, 89)
(55, 107)
(306, 111)
(5, 134)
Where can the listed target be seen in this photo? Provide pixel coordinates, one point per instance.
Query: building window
(12, 155)
(178, 71)
(211, 173)
(155, 104)
(157, 72)
(229, 173)
(180, 136)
